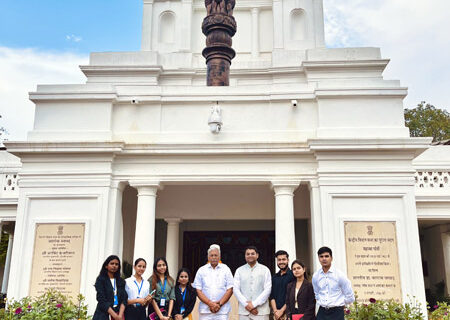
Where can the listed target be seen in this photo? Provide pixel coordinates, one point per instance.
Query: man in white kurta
(252, 286)
(214, 284)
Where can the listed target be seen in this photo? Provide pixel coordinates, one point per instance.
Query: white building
(312, 138)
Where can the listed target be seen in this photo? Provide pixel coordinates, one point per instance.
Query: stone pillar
(255, 33)
(147, 20)
(219, 27)
(172, 244)
(446, 247)
(7, 264)
(277, 9)
(186, 25)
(115, 223)
(316, 222)
(144, 241)
(284, 218)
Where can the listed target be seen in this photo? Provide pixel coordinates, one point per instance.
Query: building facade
(311, 139)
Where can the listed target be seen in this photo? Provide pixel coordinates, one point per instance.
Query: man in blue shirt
(280, 281)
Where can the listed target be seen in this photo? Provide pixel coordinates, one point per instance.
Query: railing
(432, 179)
(9, 188)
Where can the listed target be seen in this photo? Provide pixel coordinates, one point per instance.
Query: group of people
(288, 292)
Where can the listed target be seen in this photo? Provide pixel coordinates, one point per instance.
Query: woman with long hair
(163, 299)
(185, 296)
(111, 294)
(300, 297)
(138, 291)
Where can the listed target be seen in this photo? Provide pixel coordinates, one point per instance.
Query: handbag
(154, 315)
(297, 316)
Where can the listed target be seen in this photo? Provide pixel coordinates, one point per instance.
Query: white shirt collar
(211, 267)
(329, 270)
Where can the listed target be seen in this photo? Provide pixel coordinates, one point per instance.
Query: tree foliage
(427, 121)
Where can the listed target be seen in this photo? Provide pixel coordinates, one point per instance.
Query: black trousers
(336, 313)
(135, 313)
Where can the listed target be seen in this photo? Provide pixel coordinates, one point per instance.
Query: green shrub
(52, 305)
(440, 311)
(384, 309)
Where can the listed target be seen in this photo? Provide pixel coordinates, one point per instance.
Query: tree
(427, 121)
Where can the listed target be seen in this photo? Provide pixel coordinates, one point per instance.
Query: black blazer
(105, 296)
(305, 298)
(189, 302)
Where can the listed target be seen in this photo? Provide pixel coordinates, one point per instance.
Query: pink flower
(18, 311)
(347, 311)
(435, 306)
(59, 305)
(372, 300)
(29, 307)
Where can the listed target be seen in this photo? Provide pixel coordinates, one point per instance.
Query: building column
(144, 241)
(284, 218)
(446, 246)
(277, 9)
(114, 240)
(172, 244)
(255, 33)
(316, 222)
(7, 264)
(186, 27)
(147, 21)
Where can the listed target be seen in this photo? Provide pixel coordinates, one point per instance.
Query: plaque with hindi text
(372, 260)
(57, 258)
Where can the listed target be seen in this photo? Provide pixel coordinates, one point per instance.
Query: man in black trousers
(332, 288)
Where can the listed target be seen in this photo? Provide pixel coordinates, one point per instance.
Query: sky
(44, 42)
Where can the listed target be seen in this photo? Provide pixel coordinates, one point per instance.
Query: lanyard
(114, 288)
(163, 288)
(139, 289)
(183, 294)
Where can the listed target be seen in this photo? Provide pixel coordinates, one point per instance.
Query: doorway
(232, 245)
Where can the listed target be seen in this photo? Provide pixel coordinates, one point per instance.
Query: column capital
(173, 221)
(146, 187)
(285, 187)
(313, 184)
(117, 184)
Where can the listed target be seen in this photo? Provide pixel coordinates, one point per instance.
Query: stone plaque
(372, 260)
(57, 258)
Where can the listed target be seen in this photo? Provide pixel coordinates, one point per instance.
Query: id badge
(182, 309)
(162, 302)
(138, 304)
(116, 301)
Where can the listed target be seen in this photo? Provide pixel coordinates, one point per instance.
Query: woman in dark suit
(111, 294)
(300, 297)
(185, 296)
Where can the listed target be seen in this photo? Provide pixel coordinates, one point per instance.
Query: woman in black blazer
(300, 297)
(185, 296)
(111, 295)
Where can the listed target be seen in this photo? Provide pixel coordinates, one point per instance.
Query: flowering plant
(384, 309)
(52, 305)
(441, 311)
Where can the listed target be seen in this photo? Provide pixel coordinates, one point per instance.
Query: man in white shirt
(214, 284)
(332, 288)
(252, 286)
